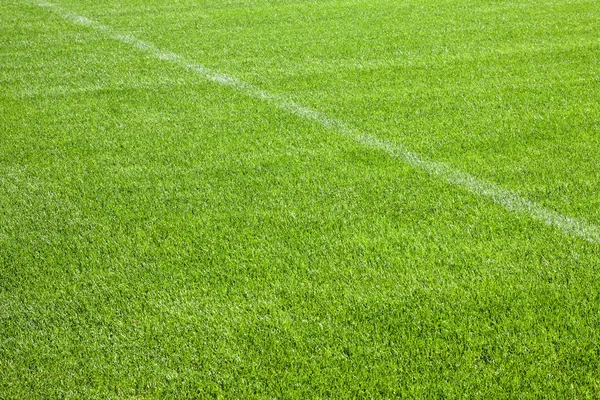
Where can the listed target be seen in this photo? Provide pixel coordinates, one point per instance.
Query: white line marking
(503, 197)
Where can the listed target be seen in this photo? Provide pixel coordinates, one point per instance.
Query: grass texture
(165, 236)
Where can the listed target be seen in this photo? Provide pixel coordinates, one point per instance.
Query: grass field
(309, 199)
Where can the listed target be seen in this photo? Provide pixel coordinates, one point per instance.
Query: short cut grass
(163, 236)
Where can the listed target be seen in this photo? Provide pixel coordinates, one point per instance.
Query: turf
(164, 236)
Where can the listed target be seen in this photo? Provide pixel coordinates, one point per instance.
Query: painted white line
(503, 197)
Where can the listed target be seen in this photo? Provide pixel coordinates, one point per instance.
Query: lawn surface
(164, 235)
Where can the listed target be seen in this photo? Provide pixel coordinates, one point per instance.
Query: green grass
(165, 236)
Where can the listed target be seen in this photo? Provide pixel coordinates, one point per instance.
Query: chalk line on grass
(503, 197)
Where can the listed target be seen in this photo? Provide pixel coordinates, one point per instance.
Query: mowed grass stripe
(65, 90)
(509, 200)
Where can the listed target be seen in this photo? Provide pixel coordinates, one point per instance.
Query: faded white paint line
(507, 199)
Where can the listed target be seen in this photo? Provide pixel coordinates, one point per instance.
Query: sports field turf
(300, 199)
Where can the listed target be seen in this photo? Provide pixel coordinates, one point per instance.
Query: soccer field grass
(309, 199)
